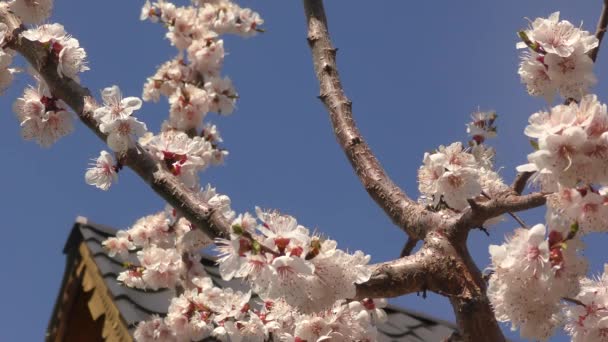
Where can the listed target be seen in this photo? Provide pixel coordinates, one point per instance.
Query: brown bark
(404, 212)
(600, 31)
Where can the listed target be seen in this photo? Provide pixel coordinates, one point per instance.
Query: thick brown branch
(600, 31)
(502, 204)
(164, 183)
(404, 212)
(426, 270)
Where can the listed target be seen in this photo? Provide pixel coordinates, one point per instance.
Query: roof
(137, 305)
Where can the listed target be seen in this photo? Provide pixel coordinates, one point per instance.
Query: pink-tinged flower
(207, 55)
(188, 107)
(222, 94)
(482, 126)
(120, 244)
(122, 132)
(182, 27)
(534, 74)
(280, 230)
(589, 321)
(291, 276)
(43, 118)
(32, 11)
(182, 155)
(115, 106)
(103, 172)
(45, 33)
(153, 330)
(152, 230)
(161, 267)
(532, 274)
(559, 37)
(148, 11)
(71, 59)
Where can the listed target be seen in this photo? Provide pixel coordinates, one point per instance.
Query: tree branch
(408, 247)
(519, 184)
(171, 189)
(404, 212)
(502, 204)
(600, 31)
(429, 269)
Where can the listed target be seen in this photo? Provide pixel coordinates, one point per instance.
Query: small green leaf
(534, 144)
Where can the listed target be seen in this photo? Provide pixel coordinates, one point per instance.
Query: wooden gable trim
(101, 302)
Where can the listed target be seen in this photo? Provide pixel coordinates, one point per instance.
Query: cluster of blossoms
(280, 259)
(115, 119)
(585, 206)
(556, 59)
(453, 174)
(63, 48)
(572, 143)
(185, 156)
(193, 83)
(302, 280)
(43, 117)
(532, 272)
(227, 315)
(588, 319)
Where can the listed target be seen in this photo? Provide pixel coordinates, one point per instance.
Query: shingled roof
(136, 305)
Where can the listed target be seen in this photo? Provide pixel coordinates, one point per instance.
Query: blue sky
(414, 71)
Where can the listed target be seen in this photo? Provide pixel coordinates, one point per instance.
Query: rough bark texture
(404, 212)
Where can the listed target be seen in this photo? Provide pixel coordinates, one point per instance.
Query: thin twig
(600, 31)
(573, 301)
(515, 217)
(520, 182)
(408, 247)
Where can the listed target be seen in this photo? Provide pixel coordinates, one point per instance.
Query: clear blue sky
(414, 71)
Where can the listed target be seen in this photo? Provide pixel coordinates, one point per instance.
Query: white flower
(482, 126)
(183, 156)
(450, 174)
(71, 59)
(188, 107)
(103, 173)
(32, 11)
(43, 118)
(161, 266)
(182, 27)
(560, 37)
(121, 133)
(207, 55)
(120, 244)
(531, 275)
(153, 330)
(222, 94)
(589, 322)
(45, 33)
(114, 106)
(533, 73)
(558, 59)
